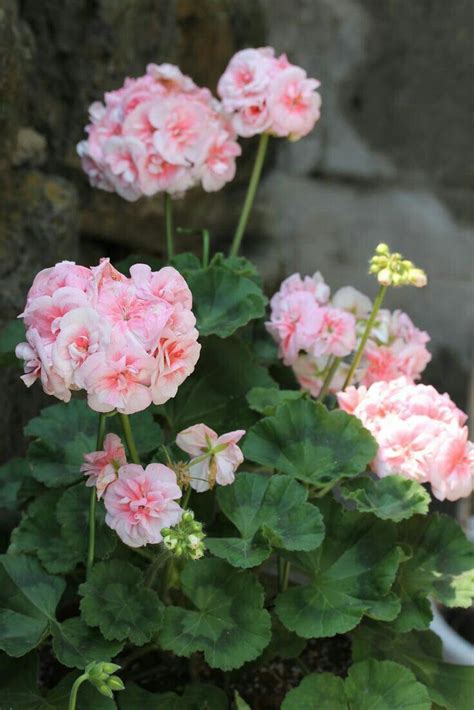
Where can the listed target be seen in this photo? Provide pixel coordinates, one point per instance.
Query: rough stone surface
(390, 159)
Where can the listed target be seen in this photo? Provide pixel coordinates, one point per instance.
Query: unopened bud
(105, 690)
(418, 278)
(110, 667)
(382, 249)
(188, 516)
(115, 683)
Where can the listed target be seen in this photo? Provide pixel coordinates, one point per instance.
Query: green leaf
(390, 498)
(349, 576)
(12, 476)
(268, 511)
(116, 600)
(305, 440)
(216, 392)
(76, 644)
(228, 623)
(224, 301)
(28, 600)
(448, 685)
(197, 696)
(317, 691)
(39, 532)
(185, 262)
(265, 400)
(238, 265)
(441, 566)
(284, 643)
(10, 336)
(72, 513)
(64, 432)
(378, 685)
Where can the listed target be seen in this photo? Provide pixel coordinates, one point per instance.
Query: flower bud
(105, 690)
(115, 683)
(188, 516)
(393, 270)
(110, 667)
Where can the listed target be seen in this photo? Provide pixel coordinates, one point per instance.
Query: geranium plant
(225, 491)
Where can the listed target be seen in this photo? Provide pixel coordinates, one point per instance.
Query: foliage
(302, 545)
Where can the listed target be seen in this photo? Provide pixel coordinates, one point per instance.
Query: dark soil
(262, 686)
(462, 621)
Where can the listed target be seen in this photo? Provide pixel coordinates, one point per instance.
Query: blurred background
(391, 159)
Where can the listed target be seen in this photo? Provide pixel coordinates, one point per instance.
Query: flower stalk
(328, 379)
(250, 196)
(128, 436)
(93, 499)
(169, 225)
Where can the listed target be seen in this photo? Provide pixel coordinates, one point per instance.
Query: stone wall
(391, 159)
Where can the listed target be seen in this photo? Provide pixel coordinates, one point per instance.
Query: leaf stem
(169, 225)
(328, 379)
(250, 196)
(365, 336)
(285, 575)
(185, 498)
(206, 242)
(93, 499)
(128, 435)
(75, 687)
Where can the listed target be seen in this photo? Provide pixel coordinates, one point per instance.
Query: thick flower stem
(363, 341)
(250, 196)
(169, 226)
(328, 379)
(128, 435)
(93, 498)
(206, 241)
(75, 687)
(185, 498)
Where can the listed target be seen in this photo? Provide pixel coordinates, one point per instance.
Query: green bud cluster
(186, 539)
(100, 674)
(393, 270)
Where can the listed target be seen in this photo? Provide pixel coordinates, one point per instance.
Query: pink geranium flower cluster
(158, 133)
(303, 320)
(421, 434)
(267, 94)
(311, 328)
(127, 341)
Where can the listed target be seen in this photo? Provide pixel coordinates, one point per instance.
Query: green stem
(285, 575)
(169, 225)
(206, 242)
(363, 341)
(328, 379)
(75, 687)
(127, 432)
(322, 491)
(185, 498)
(93, 499)
(250, 196)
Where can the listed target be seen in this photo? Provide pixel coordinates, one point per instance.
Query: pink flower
(176, 359)
(101, 466)
(118, 377)
(336, 333)
(141, 502)
(451, 472)
(65, 273)
(219, 164)
(38, 363)
(295, 323)
(353, 301)
(263, 93)
(82, 333)
(314, 285)
(214, 458)
(171, 77)
(181, 129)
(44, 313)
(121, 156)
(420, 434)
(167, 284)
(293, 103)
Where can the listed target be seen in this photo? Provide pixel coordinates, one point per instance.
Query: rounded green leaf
(28, 600)
(116, 600)
(318, 691)
(306, 441)
(72, 513)
(76, 644)
(448, 685)
(349, 576)
(268, 511)
(441, 566)
(63, 433)
(265, 400)
(228, 622)
(224, 301)
(391, 498)
(384, 685)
